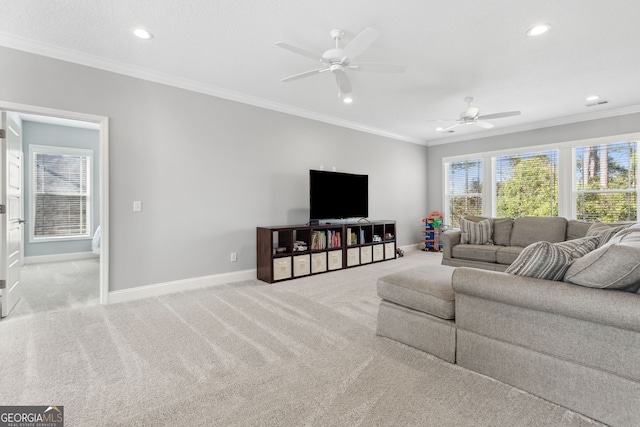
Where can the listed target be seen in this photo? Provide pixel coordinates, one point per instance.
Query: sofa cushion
(475, 233)
(500, 228)
(485, 253)
(502, 231)
(427, 289)
(544, 260)
(508, 254)
(615, 265)
(577, 229)
(529, 229)
(605, 231)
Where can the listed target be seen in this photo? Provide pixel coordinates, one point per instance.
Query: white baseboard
(414, 247)
(179, 286)
(59, 257)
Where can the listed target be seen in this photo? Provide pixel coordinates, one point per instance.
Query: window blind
(463, 189)
(527, 184)
(61, 195)
(605, 184)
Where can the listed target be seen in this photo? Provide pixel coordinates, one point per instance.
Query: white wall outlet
(137, 206)
(234, 257)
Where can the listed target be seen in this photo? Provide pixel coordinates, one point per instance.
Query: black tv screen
(337, 195)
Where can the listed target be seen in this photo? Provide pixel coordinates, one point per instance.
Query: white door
(11, 165)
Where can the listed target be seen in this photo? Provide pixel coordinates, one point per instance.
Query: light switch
(137, 206)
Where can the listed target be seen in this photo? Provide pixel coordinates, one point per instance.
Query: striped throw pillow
(605, 231)
(542, 260)
(580, 247)
(551, 261)
(475, 233)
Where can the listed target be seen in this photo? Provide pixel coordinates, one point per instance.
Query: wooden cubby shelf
(289, 252)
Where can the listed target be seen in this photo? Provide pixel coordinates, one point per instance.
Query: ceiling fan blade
(442, 120)
(485, 125)
(303, 75)
(377, 67)
(360, 43)
(298, 50)
(451, 127)
(500, 115)
(343, 82)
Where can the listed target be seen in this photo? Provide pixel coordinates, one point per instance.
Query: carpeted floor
(296, 353)
(56, 286)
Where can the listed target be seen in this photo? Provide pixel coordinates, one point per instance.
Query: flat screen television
(338, 195)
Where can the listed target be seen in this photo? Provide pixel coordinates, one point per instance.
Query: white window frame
(566, 172)
(57, 150)
(601, 141)
(447, 195)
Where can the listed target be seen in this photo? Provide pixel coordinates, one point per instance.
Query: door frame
(103, 123)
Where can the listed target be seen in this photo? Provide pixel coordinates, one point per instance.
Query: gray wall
(60, 136)
(209, 170)
(619, 125)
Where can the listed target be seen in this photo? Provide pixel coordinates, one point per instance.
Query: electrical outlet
(234, 257)
(137, 206)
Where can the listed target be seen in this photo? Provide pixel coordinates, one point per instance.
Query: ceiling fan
(471, 116)
(338, 60)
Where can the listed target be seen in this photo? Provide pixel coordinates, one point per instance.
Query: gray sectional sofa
(575, 345)
(508, 238)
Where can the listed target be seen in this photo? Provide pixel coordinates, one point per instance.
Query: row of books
(352, 237)
(325, 240)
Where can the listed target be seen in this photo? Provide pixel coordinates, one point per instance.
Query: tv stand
(289, 252)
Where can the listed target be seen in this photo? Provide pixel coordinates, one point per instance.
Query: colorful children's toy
(434, 225)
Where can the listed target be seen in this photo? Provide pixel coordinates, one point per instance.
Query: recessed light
(538, 30)
(347, 100)
(593, 97)
(142, 33)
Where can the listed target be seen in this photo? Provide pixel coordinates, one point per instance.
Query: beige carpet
(56, 286)
(297, 353)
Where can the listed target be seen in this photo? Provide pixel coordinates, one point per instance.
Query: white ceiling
(453, 49)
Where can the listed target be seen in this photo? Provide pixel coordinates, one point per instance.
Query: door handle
(22, 221)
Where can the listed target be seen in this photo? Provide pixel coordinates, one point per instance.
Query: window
(463, 189)
(61, 193)
(587, 180)
(605, 182)
(527, 184)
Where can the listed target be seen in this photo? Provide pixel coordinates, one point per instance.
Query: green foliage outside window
(605, 184)
(531, 188)
(606, 189)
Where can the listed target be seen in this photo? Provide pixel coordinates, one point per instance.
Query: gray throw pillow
(615, 265)
(544, 260)
(475, 233)
(605, 231)
(580, 247)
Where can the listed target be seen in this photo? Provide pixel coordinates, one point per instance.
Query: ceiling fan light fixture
(142, 33)
(347, 99)
(593, 97)
(538, 30)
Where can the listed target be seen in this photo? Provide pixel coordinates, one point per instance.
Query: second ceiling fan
(338, 60)
(471, 116)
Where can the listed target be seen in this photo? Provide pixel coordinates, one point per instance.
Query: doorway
(82, 266)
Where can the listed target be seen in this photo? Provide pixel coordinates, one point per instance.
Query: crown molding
(69, 55)
(538, 125)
